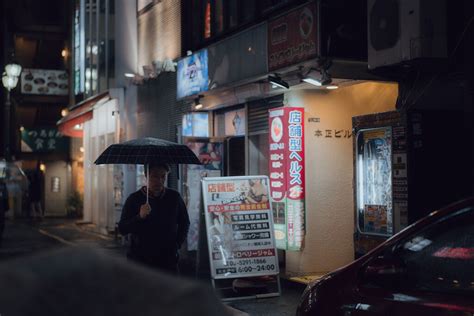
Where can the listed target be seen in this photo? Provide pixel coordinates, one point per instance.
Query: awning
(72, 124)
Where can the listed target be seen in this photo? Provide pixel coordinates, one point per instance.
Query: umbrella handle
(147, 181)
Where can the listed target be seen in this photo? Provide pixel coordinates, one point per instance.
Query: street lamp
(9, 80)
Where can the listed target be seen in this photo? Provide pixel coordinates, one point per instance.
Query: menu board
(44, 81)
(239, 227)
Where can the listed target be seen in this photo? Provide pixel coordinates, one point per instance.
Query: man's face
(157, 178)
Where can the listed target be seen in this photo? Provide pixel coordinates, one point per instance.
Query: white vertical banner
(239, 226)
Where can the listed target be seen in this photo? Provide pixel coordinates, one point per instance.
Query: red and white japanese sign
(287, 178)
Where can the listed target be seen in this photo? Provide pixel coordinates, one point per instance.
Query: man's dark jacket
(156, 238)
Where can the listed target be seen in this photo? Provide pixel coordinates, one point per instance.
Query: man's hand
(145, 209)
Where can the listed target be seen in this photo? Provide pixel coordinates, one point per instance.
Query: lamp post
(9, 80)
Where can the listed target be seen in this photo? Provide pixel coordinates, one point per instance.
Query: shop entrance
(234, 156)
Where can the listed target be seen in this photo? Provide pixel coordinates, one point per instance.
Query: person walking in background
(34, 191)
(159, 228)
(4, 207)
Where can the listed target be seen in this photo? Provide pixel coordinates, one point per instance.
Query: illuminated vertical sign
(287, 182)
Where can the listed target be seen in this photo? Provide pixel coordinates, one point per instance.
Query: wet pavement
(24, 237)
(275, 306)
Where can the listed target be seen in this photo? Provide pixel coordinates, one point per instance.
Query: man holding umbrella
(157, 219)
(155, 216)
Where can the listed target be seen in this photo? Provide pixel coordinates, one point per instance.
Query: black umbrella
(148, 150)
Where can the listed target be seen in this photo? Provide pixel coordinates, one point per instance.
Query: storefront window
(258, 154)
(209, 19)
(93, 46)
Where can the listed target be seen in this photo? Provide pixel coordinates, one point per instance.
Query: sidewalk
(25, 237)
(284, 305)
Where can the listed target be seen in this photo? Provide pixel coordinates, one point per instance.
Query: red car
(426, 269)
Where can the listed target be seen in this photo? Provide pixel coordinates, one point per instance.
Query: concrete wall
(126, 52)
(159, 33)
(329, 171)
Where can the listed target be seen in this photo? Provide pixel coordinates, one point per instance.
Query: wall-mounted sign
(55, 184)
(239, 227)
(43, 140)
(195, 124)
(41, 81)
(193, 74)
(287, 182)
(293, 38)
(235, 123)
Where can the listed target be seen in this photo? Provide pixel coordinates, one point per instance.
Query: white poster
(239, 226)
(235, 123)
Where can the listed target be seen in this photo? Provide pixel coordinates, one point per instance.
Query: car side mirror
(385, 272)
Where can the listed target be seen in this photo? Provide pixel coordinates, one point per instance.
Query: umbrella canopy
(147, 150)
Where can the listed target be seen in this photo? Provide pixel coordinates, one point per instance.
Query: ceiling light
(278, 82)
(332, 87)
(129, 75)
(317, 77)
(197, 104)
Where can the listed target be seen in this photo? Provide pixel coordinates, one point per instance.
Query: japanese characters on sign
(43, 140)
(286, 168)
(239, 227)
(333, 133)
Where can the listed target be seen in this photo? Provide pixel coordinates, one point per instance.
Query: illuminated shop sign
(287, 182)
(293, 38)
(196, 124)
(193, 74)
(43, 140)
(43, 81)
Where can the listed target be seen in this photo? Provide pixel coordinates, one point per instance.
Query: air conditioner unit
(400, 31)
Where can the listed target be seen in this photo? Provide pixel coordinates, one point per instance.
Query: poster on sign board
(210, 154)
(239, 227)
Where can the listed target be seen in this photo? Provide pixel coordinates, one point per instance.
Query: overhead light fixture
(332, 87)
(278, 82)
(317, 77)
(129, 75)
(197, 104)
(78, 127)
